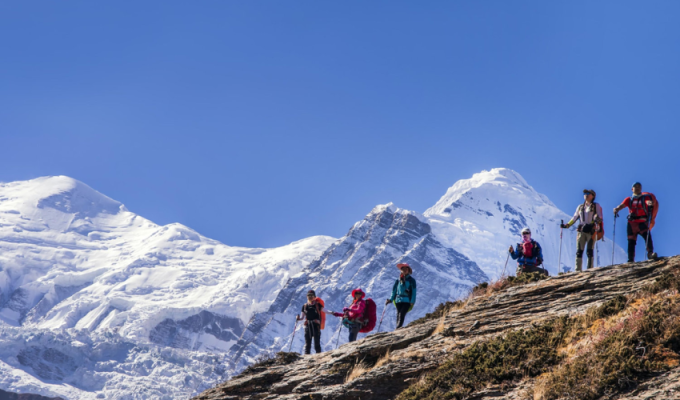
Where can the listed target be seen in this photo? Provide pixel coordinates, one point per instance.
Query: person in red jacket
(353, 316)
(642, 209)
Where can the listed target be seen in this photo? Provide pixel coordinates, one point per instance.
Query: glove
(387, 301)
(511, 250)
(564, 226)
(345, 309)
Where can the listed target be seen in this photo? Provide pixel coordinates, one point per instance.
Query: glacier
(97, 302)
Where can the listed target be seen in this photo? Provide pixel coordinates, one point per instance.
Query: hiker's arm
(394, 290)
(413, 293)
(515, 254)
(576, 217)
(623, 205)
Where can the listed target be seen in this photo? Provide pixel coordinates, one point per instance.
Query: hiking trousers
(634, 229)
(584, 241)
(354, 331)
(402, 309)
(312, 331)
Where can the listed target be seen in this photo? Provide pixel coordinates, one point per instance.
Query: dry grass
(383, 360)
(358, 370)
(440, 326)
(608, 349)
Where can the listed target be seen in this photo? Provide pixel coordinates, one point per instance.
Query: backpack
(322, 313)
(528, 250)
(655, 205)
(369, 316)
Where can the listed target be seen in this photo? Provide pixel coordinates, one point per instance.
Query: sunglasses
(526, 234)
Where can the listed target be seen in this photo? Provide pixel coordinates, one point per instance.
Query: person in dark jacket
(528, 254)
(403, 293)
(312, 310)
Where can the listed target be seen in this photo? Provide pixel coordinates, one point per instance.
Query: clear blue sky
(260, 123)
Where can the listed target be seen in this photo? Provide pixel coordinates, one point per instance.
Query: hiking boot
(652, 255)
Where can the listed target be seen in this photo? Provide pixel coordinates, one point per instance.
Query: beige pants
(584, 242)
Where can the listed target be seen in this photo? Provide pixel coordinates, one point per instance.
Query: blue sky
(260, 123)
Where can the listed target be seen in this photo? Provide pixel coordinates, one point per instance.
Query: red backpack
(369, 316)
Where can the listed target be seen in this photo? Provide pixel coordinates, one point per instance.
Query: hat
(358, 290)
(402, 265)
(313, 293)
(590, 191)
(636, 184)
(526, 230)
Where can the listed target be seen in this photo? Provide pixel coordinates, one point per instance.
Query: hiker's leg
(647, 236)
(308, 340)
(589, 249)
(580, 245)
(402, 309)
(632, 240)
(317, 338)
(353, 332)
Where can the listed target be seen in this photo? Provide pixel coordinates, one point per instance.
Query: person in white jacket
(589, 216)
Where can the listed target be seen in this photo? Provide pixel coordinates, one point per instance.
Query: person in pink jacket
(353, 316)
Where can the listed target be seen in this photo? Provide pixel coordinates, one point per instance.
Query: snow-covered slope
(482, 216)
(366, 257)
(97, 300)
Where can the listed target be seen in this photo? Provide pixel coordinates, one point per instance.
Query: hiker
(642, 210)
(403, 293)
(314, 321)
(353, 316)
(589, 216)
(528, 254)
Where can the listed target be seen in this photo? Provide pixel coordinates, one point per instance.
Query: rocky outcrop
(24, 396)
(384, 364)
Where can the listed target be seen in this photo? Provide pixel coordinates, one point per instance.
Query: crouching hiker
(528, 254)
(315, 319)
(353, 316)
(403, 293)
(589, 215)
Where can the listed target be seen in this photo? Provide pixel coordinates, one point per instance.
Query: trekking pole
(506, 265)
(616, 215)
(559, 258)
(339, 331)
(381, 317)
(293, 338)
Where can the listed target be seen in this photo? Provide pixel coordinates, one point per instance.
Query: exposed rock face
(421, 347)
(24, 396)
(366, 257)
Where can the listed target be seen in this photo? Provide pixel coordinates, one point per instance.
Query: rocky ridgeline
(383, 365)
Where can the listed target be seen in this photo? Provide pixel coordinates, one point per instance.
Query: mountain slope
(599, 303)
(79, 274)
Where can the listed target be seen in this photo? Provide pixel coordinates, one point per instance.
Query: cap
(526, 230)
(313, 293)
(637, 184)
(590, 191)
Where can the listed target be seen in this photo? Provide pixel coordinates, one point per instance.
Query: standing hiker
(315, 319)
(528, 254)
(589, 215)
(403, 293)
(353, 316)
(642, 210)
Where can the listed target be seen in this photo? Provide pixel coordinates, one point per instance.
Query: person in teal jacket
(403, 293)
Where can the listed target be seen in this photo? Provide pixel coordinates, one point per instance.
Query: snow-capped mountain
(98, 302)
(366, 257)
(482, 216)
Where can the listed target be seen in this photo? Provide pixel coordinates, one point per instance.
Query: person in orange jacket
(642, 209)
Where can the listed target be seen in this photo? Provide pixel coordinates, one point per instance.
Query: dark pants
(529, 268)
(312, 330)
(402, 309)
(354, 331)
(634, 229)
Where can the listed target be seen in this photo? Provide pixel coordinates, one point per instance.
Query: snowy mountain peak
(60, 193)
(496, 181)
